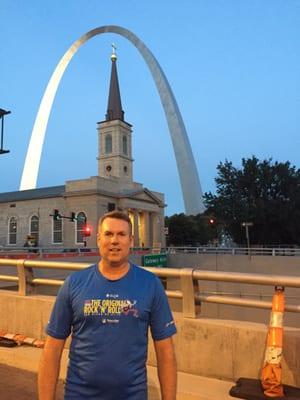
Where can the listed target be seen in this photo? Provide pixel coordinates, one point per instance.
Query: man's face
(114, 241)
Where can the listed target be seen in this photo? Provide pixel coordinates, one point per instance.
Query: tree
(262, 192)
(189, 230)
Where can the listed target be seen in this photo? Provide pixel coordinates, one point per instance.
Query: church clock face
(108, 168)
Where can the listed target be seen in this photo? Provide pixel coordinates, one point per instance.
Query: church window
(125, 169)
(34, 228)
(57, 233)
(80, 224)
(125, 147)
(108, 144)
(12, 231)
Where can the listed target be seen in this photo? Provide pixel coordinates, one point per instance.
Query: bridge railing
(58, 252)
(65, 252)
(188, 278)
(253, 251)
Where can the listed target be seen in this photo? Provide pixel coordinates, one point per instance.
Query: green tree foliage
(189, 230)
(262, 192)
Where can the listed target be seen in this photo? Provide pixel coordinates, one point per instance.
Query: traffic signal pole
(57, 216)
(246, 225)
(87, 231)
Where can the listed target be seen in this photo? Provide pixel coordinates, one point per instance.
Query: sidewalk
(18, 366)
(17, 384)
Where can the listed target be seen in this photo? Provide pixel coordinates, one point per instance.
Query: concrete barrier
(221, 349)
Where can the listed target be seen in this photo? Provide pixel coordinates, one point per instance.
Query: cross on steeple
(113, 56)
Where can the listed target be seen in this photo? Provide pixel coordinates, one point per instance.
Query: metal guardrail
(58, 252)
(253, 251)
(48, 252)
(189, 283)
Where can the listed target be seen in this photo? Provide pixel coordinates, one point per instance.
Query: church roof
(31, 194)
(114, 107)
(131, 193)
(60, 191)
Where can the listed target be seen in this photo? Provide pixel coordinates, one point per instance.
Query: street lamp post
(247, 225)
(2, 113)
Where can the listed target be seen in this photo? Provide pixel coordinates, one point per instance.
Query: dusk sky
(233, 66)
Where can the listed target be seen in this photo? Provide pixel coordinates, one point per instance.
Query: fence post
(188, 292)
(25, 277)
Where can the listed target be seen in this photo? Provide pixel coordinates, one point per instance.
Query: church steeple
(115, 147)
(114, 107)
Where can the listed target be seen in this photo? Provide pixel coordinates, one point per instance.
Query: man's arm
(166, 368)
(49, 368)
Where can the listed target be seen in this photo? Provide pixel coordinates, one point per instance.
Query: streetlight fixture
(2, 113)
(246, 225)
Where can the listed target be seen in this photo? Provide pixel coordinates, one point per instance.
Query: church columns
(142, 227)
(156, 229)
(136, 239)
(148, 228)
(145, 242)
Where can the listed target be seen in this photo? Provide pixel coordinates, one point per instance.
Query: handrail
(236, 251)
(48, 252)
(189, 278)
(254, 279)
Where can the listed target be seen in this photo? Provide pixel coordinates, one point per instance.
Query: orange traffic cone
(271, 375)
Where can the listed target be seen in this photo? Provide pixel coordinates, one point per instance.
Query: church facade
(83, 202)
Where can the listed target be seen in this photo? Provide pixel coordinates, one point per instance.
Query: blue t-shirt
(109, 323)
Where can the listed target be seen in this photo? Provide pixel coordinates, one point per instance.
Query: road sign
(155, 260)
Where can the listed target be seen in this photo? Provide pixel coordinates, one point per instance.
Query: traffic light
(111, 207)
(56, 215)
(87, 231)
(73, 217)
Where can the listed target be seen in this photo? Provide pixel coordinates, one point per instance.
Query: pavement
(18, 379)
(21, 384)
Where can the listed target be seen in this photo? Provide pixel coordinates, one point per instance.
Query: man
(108, 308)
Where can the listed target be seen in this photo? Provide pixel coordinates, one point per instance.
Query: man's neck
(113, 272)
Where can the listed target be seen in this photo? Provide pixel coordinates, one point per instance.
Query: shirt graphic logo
(110, 307)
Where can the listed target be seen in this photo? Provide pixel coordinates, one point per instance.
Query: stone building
(28, 212)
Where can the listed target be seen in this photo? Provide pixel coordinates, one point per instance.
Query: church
(40, 212)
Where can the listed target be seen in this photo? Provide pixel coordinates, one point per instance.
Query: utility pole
(2, 113)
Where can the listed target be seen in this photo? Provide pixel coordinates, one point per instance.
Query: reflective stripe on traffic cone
(271, 375)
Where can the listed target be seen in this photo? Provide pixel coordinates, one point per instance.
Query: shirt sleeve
(59, 325)
(162, 324)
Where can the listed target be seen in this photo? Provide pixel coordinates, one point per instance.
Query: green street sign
(155, 260)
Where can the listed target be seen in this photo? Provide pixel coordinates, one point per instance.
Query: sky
(233, 66)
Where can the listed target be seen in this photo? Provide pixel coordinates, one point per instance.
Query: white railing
(253, 251)
(188, 278)
(58, 252)
(48, 252)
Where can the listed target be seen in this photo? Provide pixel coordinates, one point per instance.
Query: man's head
(116, 215)
(114, 238)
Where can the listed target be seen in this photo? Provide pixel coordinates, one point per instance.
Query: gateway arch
(190, 183)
